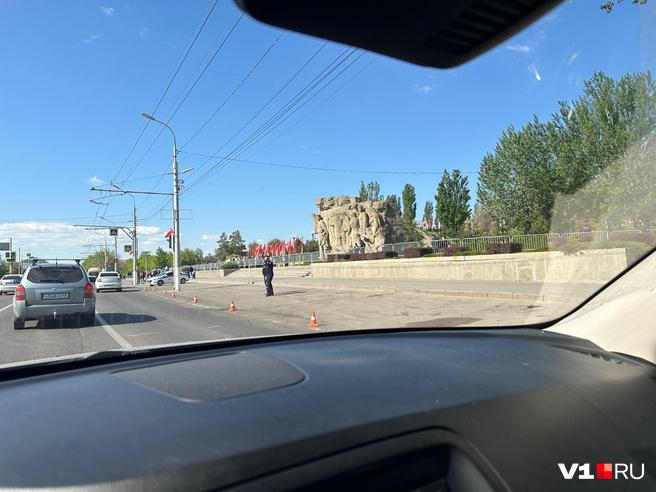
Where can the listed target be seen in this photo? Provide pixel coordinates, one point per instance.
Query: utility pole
(116, 253)
(176, 220)
(134, 245)
(176, 206)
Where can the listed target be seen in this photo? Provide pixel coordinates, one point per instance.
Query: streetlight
(176, 206)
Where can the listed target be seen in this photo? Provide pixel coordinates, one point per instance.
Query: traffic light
(170, 240)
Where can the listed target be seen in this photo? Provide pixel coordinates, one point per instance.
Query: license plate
(55, 296)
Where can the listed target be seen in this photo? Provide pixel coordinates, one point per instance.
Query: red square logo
(604, 471)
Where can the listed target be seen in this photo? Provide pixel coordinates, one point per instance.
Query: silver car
(8, 283)
(167, 278)
(109, 281)
(51, 290)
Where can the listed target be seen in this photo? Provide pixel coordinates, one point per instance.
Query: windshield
(304, 186)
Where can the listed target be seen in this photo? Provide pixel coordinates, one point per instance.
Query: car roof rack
(56, 260)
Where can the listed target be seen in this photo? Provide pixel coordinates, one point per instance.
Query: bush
(229, 266)
(338, 257)
(452, 250)
(416, 252)
(503, 248)
(470, 253)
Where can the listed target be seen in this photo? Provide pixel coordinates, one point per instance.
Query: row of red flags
(291, 246)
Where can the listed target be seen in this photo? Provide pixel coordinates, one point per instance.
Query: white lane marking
(112, 333)
(6, 307)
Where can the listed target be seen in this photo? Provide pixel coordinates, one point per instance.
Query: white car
(8, 283)
(167, 278)
(109, 281)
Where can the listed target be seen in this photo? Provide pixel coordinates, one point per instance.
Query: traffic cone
(195, 300)
(313, 320)
(232, 306)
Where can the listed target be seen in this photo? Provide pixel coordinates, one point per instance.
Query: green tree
(428, 214)
(191, 256)
(373, 191)
(310, 246)
(588, 164)
(452, 202)
(97, 260)
(162, 259)
(608, 5)
(362, 193)
(409, 200)
(516, 182)
(237, 244)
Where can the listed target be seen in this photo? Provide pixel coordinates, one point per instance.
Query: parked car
(167, 278)
(109, 281)
(8, 283)
(93, 274)
(54, 290)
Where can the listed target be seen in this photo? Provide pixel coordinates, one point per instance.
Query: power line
(326, 169)
(330, 96)
(188, 92)
(275, 121)
(294, 101)
(234, 91)
(341, 58)
(262, 108)
(172, 77)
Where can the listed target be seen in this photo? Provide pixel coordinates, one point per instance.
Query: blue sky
(77, 75)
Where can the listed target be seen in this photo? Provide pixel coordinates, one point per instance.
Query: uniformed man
(267, 271)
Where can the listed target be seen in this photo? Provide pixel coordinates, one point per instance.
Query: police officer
(267, 271)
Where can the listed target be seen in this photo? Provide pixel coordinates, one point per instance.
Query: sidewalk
(344, 309)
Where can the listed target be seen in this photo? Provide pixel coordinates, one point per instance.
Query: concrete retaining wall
(210, 274)
(554, 266)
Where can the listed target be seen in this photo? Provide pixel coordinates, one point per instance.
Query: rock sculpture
(344, 223)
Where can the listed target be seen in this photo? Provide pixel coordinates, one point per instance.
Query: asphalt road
(131, 318)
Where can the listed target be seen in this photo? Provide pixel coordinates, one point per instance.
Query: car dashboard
(413, 410)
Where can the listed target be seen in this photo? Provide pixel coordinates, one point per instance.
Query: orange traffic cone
(232, 306)
(313, 320)
(195, 300)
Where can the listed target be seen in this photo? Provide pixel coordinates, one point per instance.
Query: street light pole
(176, 207)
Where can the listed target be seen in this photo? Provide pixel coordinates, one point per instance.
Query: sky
(77, 75)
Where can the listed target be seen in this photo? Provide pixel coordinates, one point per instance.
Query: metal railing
(529, 242)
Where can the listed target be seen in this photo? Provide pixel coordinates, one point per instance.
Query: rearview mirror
(435, 33)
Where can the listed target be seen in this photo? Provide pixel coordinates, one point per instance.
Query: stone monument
(344, 223)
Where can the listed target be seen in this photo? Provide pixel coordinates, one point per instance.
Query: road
(131, 318)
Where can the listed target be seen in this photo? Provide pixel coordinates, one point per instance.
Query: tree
(191, 256)
(237, 244)
(608, 5)
(310, 246)
(516, 182)
(162, 259)
(452, 202)
(409, 199)
(428, 214)
(362, 193)
(97, 260)
(587, 164)
(373, 191)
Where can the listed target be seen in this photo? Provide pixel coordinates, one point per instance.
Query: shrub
(416, 252)
(229, 266)
(338, 257)
(452, 250)
(635, 237)
(502, 248)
